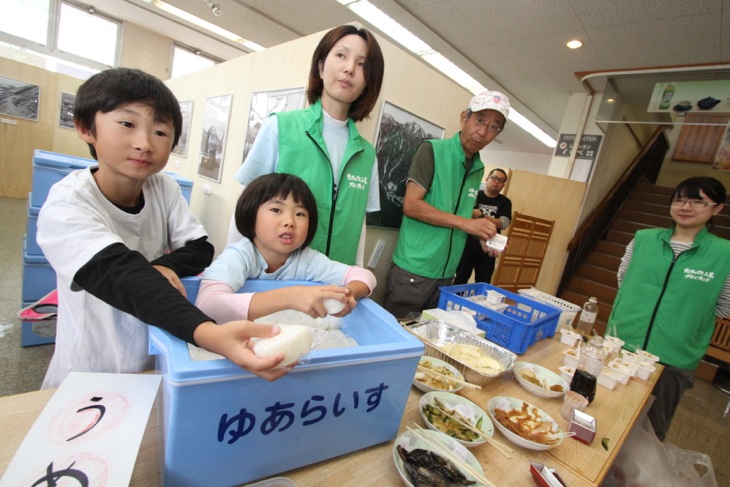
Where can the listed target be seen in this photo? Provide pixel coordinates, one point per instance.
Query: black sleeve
(124, 279)
(190, 260)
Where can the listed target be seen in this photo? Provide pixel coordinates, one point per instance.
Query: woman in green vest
(672, 283)
(322, 146)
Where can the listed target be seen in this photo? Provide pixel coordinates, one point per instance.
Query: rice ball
(333, 306)
(294, 341)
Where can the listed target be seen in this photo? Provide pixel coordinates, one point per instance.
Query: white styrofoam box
(225, 426)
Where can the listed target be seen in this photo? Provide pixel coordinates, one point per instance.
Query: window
(98, 39)
(185, 61)
(59, 35)
(27, 19)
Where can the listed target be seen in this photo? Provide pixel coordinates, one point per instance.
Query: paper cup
(572, 400)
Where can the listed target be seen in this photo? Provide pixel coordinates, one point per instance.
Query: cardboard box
(706, 371)
(225, 426)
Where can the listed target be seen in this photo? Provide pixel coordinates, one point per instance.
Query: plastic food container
(225, 426)
(434, 334)
(521, 323)
(609, 378)
(569, 337)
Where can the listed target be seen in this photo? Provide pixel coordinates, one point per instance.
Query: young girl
(277, 216)
(673, 282)
(321, 144)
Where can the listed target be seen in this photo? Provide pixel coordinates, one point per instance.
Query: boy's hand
(172, 278)
(233, 341)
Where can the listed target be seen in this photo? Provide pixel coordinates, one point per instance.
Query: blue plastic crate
(31, 245)
(519, 325)
(39, 278)
(225, 426)
(51, 167)
(48, 169)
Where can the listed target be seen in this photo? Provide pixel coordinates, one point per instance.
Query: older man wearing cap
(443, 183)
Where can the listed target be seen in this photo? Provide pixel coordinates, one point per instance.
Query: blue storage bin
(31, 246)
(39, 278)
(224, 426)
(35, 333)
(51, 167)
(48, 169)
(519, 325)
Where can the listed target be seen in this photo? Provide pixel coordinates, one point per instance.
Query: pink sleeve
(363, 275)
(218, 301)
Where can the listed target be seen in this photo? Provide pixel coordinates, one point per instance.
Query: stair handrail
(642, 167)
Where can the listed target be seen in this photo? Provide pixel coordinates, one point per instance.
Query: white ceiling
(517, 46)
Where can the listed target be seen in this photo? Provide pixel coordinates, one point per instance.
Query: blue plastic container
(522, 323)
(224, 426)
(51, 167)
(48, 169)
(39, 278)
(31, 246)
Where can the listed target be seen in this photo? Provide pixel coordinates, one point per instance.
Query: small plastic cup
(572, 400)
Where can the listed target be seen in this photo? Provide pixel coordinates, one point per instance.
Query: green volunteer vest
(684, 294)
(303, 152)
(428, 250)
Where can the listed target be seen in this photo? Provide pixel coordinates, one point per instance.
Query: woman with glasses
(672, 283)
(497, 208)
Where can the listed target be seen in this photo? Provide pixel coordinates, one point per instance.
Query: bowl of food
(426, 455)
(523, 424)
(456, 417)
(433, 375)
(540, 381)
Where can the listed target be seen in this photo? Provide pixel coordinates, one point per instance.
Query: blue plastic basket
(522, 323)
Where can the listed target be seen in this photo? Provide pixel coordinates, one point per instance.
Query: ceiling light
(204, 24)
(574, 44)
(403, 36)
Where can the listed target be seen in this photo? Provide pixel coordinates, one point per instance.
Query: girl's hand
(349, 304)
(310, 299)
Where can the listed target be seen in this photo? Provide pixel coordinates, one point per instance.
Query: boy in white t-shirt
(120, 235)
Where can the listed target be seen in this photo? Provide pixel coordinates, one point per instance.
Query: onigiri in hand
(294, 341)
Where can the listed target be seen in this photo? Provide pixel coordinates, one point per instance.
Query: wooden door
(518, 266)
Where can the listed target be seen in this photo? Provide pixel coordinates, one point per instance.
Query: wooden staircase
(646, 207)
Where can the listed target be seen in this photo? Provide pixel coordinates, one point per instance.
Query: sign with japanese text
(587, 149)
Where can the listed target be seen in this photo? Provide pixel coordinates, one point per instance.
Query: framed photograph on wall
(181, 149)
(66, 111)
(215, 131)
(263, 104)
(399, 134)
(19, 99)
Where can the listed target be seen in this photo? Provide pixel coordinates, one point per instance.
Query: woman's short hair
(691, 187)
(267, 187)
(373, 70)
(113, 88)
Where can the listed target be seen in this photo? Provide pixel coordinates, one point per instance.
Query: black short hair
(106, 91)
(691, 187)
(268, 187)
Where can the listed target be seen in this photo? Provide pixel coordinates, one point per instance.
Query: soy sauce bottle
(590, 366)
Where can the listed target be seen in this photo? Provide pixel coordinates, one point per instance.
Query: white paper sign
(89, 433)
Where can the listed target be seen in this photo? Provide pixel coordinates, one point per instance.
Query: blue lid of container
(183, 182)
(65, 161)
(379, 335)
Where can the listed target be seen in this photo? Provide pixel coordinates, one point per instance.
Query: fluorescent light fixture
(204, 24)
(400, 34)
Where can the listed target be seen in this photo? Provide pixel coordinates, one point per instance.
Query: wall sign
(587, 149)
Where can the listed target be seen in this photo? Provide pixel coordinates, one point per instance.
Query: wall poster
(399, 134)
(66, 112)
(215, 132)
(181, 149)
(263, 104)
(19, 99)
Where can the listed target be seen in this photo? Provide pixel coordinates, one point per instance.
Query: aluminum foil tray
(436, 333)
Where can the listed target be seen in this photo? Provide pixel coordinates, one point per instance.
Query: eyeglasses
(693, 203)
(498, 179)
(491, 126)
